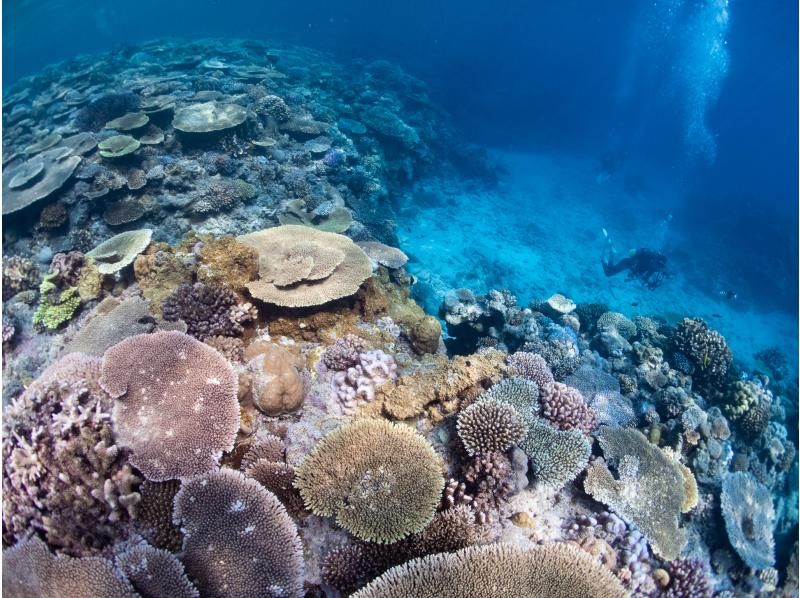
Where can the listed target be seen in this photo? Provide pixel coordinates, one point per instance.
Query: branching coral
(155, 573)
(649, 491)
(381, 481)
(500, 571)
(153, 515)
(63, 472)
(706, 348)
(238, 539)
(564, 407)
(208, 310)
(749, 517)
(55, 307)
(688, 578)
(489, 425)
(176, 406)
(533, 367)
(304, 267)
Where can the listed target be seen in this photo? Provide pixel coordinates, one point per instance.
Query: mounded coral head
(113, 254)
(63, 472)
(238, 538)
(276, 385)
(749, 519)
(381, 481)
(303, 267)
(176, 406)
(501, 571)
(489, 425)
(649, 491)
(706, 348)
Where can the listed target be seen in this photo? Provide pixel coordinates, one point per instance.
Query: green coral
(55, 308)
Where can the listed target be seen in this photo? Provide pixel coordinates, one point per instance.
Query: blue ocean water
(573, 128)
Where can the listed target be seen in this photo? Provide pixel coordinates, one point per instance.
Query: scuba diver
(644, 264)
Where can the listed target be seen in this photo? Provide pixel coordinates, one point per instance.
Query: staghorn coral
(19, 274)
(389, 487)
(749, 518)
(303, 267)
(155, 573)
(208, 310)
(489, 425)
(533, 367)
(649, 491)
(275, 384)
(63, 472)
(564, 407)
(557, 456)
(153, 514)
(176, 405)
(30, 570)
(239, 542)
(448, 381)
(501, 571)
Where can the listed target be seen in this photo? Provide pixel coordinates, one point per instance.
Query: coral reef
(489, 425)
(749, 515)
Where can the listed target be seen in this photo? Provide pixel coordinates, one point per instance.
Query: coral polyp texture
(176, 407)
(252, 347)
(301, 267)
(238, 538)
(500, 570)
(381, 481)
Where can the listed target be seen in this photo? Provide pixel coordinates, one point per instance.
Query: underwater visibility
(400, 300)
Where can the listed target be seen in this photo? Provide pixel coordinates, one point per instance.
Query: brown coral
(303, 267)
(381, 481)
(276, 386)
(176, 405)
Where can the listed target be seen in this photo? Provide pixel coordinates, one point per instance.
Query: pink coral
(359, 381)
(176, 407)
(564, 407)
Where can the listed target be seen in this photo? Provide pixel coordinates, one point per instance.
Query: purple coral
(688, 579)
(239, 540)
(564, 407)
(176, 407)
(63, 472)
(490, 480)
(531, 366)
(344, 353)
(208, 310)
(359, 381)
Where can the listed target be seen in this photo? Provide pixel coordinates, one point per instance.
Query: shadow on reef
(216, 382)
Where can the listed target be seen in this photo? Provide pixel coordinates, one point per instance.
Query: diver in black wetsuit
(644, 264)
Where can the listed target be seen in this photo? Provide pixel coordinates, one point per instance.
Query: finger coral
(565, 408)
(176, 403)
(207, 309)
(648, 492)
(238, 539)
(303, 267)
(381, 481)
(500, 571)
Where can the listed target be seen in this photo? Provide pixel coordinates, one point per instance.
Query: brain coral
(239, 542)
(490, 425)
(500, 571)
(649, 491)
(749, 519)
(63, 472)
(30, 570)
(303, 267)
(176, 407)
(381, 481)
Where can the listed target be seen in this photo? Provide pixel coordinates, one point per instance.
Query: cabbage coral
(381, 481)
(499, 571)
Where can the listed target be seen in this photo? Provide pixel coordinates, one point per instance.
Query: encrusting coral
(176, 403)
(381, 481)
